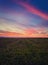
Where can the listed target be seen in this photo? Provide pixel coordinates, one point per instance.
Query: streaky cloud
(34, 10)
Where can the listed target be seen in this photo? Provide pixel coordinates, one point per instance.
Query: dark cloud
(1, 31)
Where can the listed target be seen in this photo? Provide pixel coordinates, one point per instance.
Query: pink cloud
(31, 31)
(33, 10)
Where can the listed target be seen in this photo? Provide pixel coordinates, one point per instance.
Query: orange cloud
(27, 35)
(11, 34)
(33, 10)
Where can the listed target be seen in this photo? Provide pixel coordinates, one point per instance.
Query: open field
(23, 51)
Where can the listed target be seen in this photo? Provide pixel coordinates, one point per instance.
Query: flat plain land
(23, 51)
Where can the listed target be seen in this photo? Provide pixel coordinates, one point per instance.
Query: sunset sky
(24, 18)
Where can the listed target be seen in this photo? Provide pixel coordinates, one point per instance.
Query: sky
(24, 18)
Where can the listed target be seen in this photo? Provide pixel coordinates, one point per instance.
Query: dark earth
(23, 51)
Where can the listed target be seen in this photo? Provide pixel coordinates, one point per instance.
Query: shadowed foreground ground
(17, 51)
